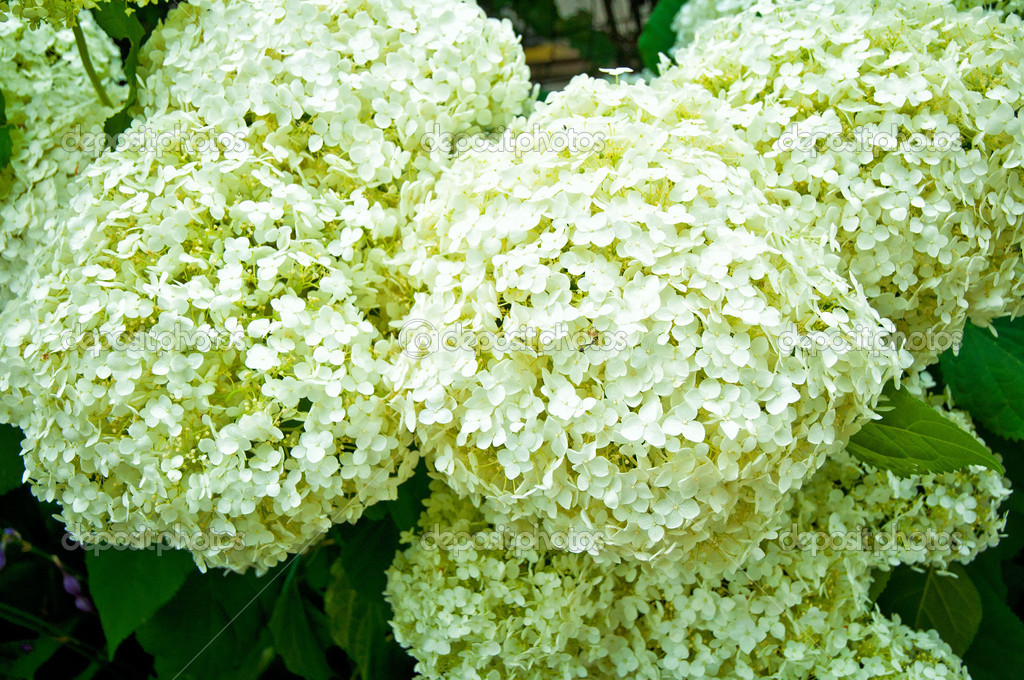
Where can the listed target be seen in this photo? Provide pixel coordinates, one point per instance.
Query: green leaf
(986, 377)
(951, 605)
(120, 24)
(213, 629)
(879, 580)
(129, 586)
(357, 612)
(24, 667)
(405, 510)
(658, 36)
(999, 643)
(6, 144)
(12, 468)
(293, 627)
(913, 438)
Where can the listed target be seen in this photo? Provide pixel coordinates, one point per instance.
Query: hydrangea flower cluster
(50, 107)
(606, 343)
(56, 13)
(206, 354)
(357, 100)
(893, 135)
(694, 14)
(789, 612)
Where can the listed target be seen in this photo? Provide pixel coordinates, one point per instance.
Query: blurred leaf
(356, 609)
(913, 438)
(26, 664)
(213, 629)
(987, 376)
(999, 644)
(12, 468)
(658, 36)
(951, 605)
(129, 586)
(292, 625)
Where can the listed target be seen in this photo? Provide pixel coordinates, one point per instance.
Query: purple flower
(72, 586)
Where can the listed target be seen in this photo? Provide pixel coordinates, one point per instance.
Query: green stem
(87, 64)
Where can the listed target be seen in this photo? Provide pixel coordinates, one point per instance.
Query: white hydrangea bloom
(347, 93)
(473, 601)
(694, 14)
(51, 109)
(892, 132)
(245, 221)
(196, 358)
(607, 340)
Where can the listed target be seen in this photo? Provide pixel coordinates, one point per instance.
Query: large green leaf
(12, 468)
(658, 37)
(213, 629)
(913, 438)
(355, 604)
(949, 604)
(296, 625)
(987, 376)
(129, 586)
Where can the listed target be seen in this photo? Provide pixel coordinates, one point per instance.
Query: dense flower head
(56, 13)
(50, 106)
(893, 133)
(196, 358)
(347, 93)
(606, 338)
(695, 14)
(501, 607)
(206, 352)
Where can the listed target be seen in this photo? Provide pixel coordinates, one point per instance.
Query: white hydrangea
(472, 600)
(195, 358)
(51, 109)
(606, 343)
(349, 94)
(932, 227)
(695, 14)
(255, 249)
